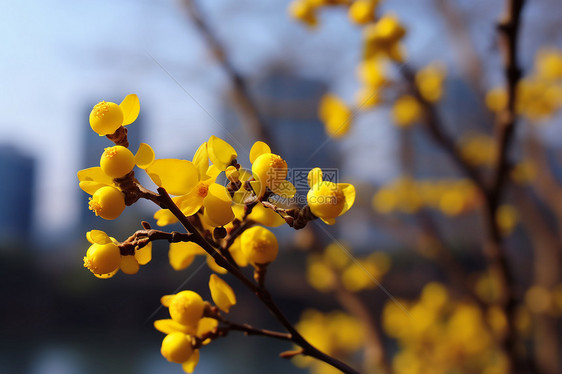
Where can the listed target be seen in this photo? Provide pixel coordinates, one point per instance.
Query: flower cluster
(450, 196)
(382, 43)
(444, 334)
(334, 265)
(539, 95)
(225, 223)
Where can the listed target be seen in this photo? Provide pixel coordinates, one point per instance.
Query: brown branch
(261, 293)
(436, 129)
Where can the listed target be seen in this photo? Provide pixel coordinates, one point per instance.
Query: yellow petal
(259, 148)
(222, 293)
(349, 193)
(245, 174)
(213, 172)
(91, 187)
(168, 326)
(164, 217)
(177, 176)
(214, 266)
(220, 152)
(218, 205)
(328, 221)
(144, 254)
(206, 325)
(144, 156)
(285, 189)
(95, 174)
(106, 276)
(166, 300)
(259, 190)
(237, 254)
(191, 363)
(191, 203)
(314, 176)
(97, 237)
(181, 255)
(129, 265)
(265, 216)
(201, 160)
(131, 108)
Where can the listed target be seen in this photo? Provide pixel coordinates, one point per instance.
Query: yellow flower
(430, 82)
(182, 254)
(222, 293)
(548, 63)
(259, 245)
(496, 99)
(186, 308)
(176, 347)
(362, 11)
(104, 258)
(195, 182)
(304, 11)
(107, 202)
(335, 115)
(406, 111)
(383, 38)
(117, 161)
(328, 200)
(220, 152)
(269, 171)
(107, 117)
(507, 218)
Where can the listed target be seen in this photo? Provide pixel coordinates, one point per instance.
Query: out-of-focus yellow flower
(507, 218)
(328, 200)
(320, 275)
(335, 115)
(107, 202)
(362, 11)
(496, 99)
(365, 273)
(548, 63)
(524, 172)
(488, 287)
(406, 111)
(478, 149)
(222, 293)
(444, 334)
(335, 333)
(383, 38)
(107, 117)
(104, 258)
(430, 82)
(538, 299)
(304, 11)
(259, 245)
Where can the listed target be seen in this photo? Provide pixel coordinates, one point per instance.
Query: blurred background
(59, 58)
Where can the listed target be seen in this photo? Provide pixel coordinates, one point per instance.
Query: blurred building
(16, 195)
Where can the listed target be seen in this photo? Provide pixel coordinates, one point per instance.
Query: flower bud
(176, 347)
(187, 308)
(107, 202)
(102, 258)
(117, 161)
(259, 245)
(106, 118)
